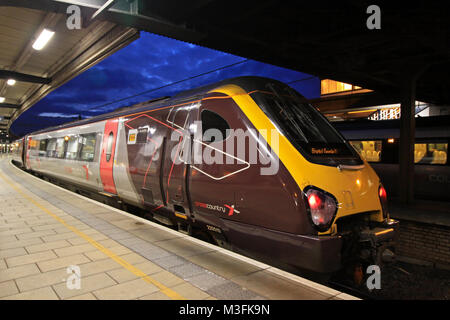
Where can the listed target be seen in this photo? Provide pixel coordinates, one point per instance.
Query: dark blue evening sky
(150, 62)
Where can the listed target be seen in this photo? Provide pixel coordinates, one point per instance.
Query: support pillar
(407, 139)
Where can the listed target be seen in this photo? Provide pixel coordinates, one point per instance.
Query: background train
(323, 208)
(378, 143)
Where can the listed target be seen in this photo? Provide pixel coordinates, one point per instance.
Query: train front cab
(331, 209)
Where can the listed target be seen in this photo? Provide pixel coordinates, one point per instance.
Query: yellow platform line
(167, 291)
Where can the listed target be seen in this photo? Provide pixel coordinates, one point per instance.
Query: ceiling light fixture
(43, 39)
(2, 99)
(11, 82)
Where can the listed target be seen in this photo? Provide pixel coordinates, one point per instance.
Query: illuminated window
(87, 141)
(43, 147)
(72, 148)
(328, 86)
(369, 150)
(386, 114)
(33, 144)
(60, 148)
(51, 147)
(430, 153)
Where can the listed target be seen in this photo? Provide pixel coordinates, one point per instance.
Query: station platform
(47, 232)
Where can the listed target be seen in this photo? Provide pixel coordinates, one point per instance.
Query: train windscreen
(305, 127)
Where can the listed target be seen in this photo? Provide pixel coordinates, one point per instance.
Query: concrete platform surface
(55, 244)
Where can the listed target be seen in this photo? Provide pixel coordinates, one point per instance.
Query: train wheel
(221, 241)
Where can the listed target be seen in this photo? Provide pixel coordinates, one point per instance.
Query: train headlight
(321, 207)
(383, 200)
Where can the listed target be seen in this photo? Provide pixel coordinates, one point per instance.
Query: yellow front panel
(356, 191)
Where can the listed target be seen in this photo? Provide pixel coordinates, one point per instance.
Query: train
(292, 189)
(378, 143)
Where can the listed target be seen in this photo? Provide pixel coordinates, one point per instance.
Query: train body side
(83, 169)
(231, 198)
(49, 159)
(262, 213)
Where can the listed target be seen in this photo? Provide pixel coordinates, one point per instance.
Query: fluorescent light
(43, 39)
(11, 82)
(2, 99)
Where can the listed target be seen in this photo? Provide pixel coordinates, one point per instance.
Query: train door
(145, 144)
(22, 150)
(177, 151)
(217, 176)
(107, 156)
(27, 143)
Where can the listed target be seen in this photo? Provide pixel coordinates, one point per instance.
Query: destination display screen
(327, 149)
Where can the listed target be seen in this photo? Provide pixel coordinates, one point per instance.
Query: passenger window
(214, 127)
(430, 153)
(109, 146)
(33, 144)
(87, 142)
(369, 150)
(72, 148)
(43, 147)
(51, 148)
(59, 153)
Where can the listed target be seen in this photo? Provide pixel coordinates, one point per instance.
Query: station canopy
(328, 39)
(27, 75)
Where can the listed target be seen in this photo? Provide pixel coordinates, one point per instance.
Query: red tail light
(321, 207)
(382, 192)
(314, 201)
(383, 200)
